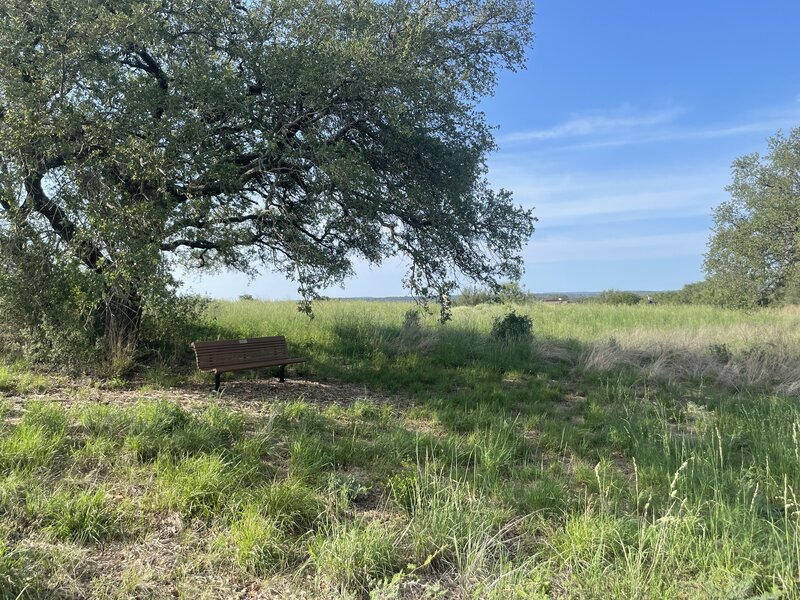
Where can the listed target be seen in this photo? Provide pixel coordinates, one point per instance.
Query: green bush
(512, 327)
(701, 292)
(513, 292)
(617, 297)
(58, 313)
(473, 296)
(507, 293)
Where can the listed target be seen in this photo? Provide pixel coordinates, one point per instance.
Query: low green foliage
(292, 504)
(509, 293)
(701, 292)
(21, 380)
(448, 519)
(198, 486)
(615, 298)
(31, 447)
(512, 327)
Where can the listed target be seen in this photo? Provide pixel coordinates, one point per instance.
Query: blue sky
(620, 133)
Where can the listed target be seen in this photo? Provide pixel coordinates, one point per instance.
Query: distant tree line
(511, 292)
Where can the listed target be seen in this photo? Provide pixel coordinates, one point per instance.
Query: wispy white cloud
(765, 127)
(575, 197)
(625, 127)
(558, 249)
(594, 124)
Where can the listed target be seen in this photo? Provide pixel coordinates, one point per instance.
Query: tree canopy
(754, 252)
(296, 134)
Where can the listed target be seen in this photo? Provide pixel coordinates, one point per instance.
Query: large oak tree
(296, 134)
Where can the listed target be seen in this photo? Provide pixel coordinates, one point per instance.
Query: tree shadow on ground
(461, 375)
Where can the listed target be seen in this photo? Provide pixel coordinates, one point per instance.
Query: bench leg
(282, 373)
(216, 381)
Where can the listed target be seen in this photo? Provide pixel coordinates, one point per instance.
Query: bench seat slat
(253, 365)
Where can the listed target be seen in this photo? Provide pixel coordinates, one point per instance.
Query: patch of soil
(250, 396)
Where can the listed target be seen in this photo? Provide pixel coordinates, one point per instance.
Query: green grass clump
(292, 504)
(103, 420)
(18, 379)
(84, 516)
(31, 447)
(198, 486)
(498, 447)
(448, 518)
(260, 543)
(355, 556)
(156, 428)
(15, 579)
(310, 457)
(96, 452)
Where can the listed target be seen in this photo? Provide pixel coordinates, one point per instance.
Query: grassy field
(621, 452)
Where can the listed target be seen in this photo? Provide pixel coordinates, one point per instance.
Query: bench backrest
(225, 353)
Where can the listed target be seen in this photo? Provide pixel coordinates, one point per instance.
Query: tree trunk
(123, 312)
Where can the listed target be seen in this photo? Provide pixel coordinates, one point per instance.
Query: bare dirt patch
(250, 396)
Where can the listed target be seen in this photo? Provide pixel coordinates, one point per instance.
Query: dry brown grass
(766, 359)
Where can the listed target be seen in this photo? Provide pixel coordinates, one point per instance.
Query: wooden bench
(222, 356)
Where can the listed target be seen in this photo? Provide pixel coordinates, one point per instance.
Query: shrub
(513, 292)
(701, 292)
(58, 313)
(509, 292)
(412, 336)
(617, 297)
(512, 327)
(411, 319)
(472, 296)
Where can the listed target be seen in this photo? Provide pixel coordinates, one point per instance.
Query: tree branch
(39, 202)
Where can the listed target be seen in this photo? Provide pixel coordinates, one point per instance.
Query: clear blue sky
(621, 133)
